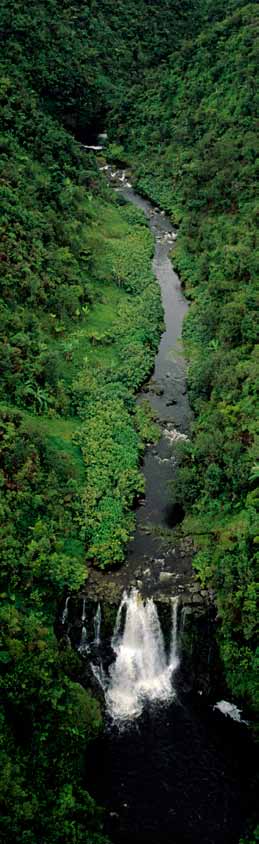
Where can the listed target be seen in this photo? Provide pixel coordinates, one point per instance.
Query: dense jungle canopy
(174, 83)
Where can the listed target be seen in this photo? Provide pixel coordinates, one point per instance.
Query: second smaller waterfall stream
(142, 670)
(97, 626)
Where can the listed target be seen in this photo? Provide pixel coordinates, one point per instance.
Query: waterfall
(99, 674)
(141, 671)
(97, 625)
(118, 623)
(65, 611)
(183, 619)
(83, 611)
(83, 647)
(174, 638)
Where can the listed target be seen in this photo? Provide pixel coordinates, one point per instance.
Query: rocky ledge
(161, 577)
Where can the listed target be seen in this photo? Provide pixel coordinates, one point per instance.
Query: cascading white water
(141, 671)
(183, 619)
(99, 674)
(174, 637)
(116, 636)
(97, 626)
(83, 647)
(65, 611)
(83, 611)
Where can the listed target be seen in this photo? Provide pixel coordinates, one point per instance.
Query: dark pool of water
(182, 775)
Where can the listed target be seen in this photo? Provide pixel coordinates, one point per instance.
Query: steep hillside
(82, 57)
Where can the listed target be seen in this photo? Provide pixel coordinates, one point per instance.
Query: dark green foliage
(80, 58)
(197, 119)
(80, 322)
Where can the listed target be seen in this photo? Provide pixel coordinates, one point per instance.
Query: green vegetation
(80, 322)
(81, 58)
(197, 120)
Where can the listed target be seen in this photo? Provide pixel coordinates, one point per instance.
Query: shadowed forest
(174, 84)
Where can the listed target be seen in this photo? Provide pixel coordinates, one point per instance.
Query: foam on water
(142, 671)
(230, 709)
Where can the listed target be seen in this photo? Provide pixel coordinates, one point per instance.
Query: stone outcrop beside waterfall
(161, 576)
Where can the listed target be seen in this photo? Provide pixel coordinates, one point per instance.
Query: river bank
(159, 558)
(170, 755)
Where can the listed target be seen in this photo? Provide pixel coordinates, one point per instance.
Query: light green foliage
(111, 448)
(145, 424)
(116, 153)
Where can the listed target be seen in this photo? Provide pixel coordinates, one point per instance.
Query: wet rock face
(200, 668)
(162, 576)
(153, 387)
(166, 576)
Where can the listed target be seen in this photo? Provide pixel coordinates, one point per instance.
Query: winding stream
(166, 390)
(151, 554)
(169, 768)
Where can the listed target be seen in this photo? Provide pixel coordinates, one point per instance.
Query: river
(169, 767)
(155, 551)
